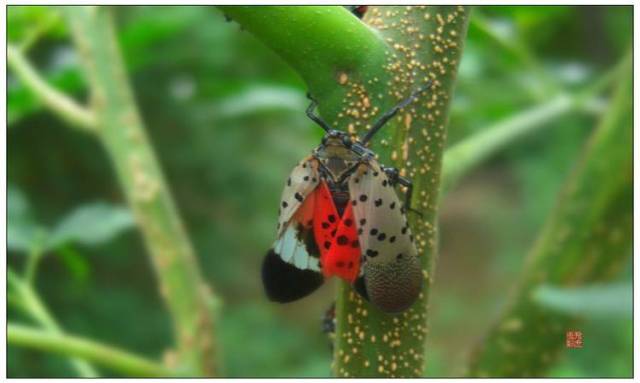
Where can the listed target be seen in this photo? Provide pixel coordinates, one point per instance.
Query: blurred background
(226, 118)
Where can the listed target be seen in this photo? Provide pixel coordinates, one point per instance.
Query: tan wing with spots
(291, 269)
(302, 181)
(391, 268)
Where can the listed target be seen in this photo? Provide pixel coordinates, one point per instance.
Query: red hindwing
(336, 237)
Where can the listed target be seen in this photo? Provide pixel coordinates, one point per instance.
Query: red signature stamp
(573, 339)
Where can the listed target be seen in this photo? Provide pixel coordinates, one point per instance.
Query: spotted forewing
(390, 265)
(301, 182)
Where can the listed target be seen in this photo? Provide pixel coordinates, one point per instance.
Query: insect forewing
(391, 268)
(302, 181)
(291, 268)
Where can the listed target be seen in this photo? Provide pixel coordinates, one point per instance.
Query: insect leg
(315, 118)
(407, 202)
(329, 324)
(395, 178)
(389, 114)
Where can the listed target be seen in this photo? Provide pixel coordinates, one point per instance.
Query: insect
(357, 10)
(340, 216)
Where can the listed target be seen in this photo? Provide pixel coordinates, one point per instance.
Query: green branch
(426, 44)
(328, 46)
(357, 72)
(58, 102)
(460, 158)
(107, 356)
(470, 152)
(123, 134)
(586, 240)
(30, 303)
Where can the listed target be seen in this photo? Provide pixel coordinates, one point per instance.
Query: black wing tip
(284, 283)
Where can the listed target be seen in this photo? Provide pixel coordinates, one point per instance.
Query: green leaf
(23, 232)
(595, 301)
(258, 99)
(91, 225)
(76, 263)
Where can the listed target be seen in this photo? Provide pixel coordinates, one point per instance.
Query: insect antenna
(315, 118)
(389, 114)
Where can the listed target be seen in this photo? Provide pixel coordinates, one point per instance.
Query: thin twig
(58, 102)
(472, 151)
(105, 355)
(29, 302)
(122, 132)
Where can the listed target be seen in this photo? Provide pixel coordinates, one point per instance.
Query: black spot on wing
(309, 241)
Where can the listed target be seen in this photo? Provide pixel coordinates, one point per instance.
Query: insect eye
(324, 140)
(346, 140)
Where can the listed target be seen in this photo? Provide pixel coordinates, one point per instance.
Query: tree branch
(357, 72)
(586, 240)
(327, 46)
(123, 134)
(474, 150)
(107, 356)
(470, 152)
(58, 102)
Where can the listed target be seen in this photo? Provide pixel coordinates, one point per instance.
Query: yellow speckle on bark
(342, 78)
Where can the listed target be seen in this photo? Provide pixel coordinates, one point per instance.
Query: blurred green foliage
(225, 115)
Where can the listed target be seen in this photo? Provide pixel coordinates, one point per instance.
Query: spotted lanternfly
(358, 10)
(340, 215)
